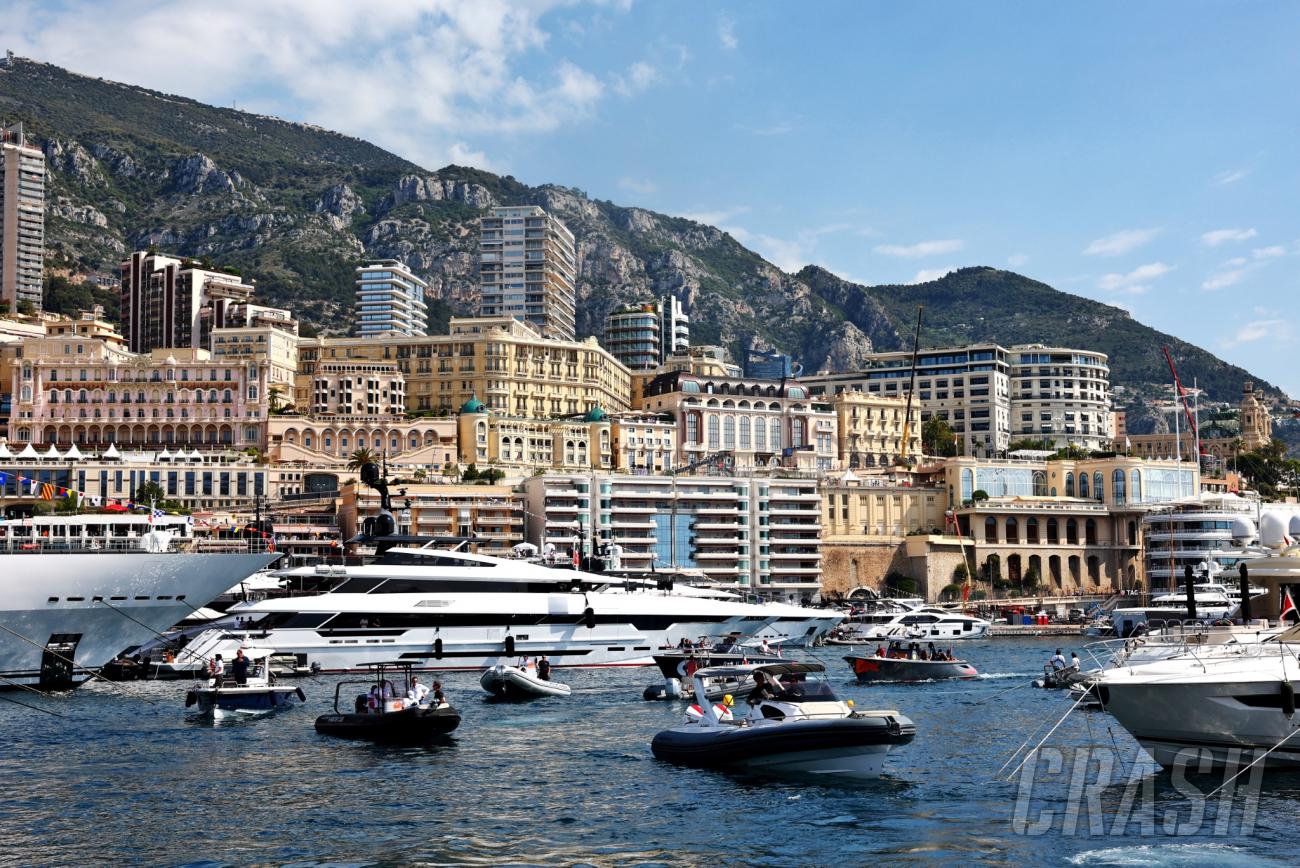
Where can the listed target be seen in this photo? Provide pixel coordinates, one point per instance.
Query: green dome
(595, 414)
(473, 405)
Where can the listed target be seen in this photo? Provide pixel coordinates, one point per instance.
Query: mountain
(296, 207)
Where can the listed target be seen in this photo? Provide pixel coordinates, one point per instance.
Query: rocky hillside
(296, 207)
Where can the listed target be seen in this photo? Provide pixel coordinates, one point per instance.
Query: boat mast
(911, 389)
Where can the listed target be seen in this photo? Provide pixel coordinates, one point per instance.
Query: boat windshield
(802, 687)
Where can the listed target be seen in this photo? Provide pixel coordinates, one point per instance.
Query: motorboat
(797, 726)
(385, 714)
(925, 622)
(1231, 706)
(520, 682)
(680, 664)
(864, 621)
(899, 664)
(69, 610)
(224, 696)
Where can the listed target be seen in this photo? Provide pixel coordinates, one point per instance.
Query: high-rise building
(22, 219)
(643, 336)
(528, 269)
(390, 300)
(170, 303)
(674, 328)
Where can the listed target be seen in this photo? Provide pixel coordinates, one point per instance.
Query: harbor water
(124, 776)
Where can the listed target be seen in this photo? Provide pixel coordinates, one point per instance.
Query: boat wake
(992, 676)
(1171, 855)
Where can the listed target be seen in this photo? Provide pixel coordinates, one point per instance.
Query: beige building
(644, 443)
(871, 429)
(528, 267)
(520, 446)
(757, 424)
(22, 220)
(503, 362)
(491, 514)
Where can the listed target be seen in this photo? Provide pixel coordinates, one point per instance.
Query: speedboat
(681, 664)
(224, 697)
(869, 669)
(1231, 706)
(925, 622)
(798, 727)
(520, 682)
(384, 716)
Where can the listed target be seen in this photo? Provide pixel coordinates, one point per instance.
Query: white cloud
(639, 77)
(637, 185)
(1120, 242)
(1231, 176)
(727, 34)
(1221, 236)
(926, 275)
(921, 248)
(1136, 281)
(716, 217)
(1264, 329)
(779, 128)
(1016, 260)
(419, 77)
(1222, 279)
(1269, 252)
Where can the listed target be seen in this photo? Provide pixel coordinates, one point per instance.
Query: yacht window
(359, 585)
(411, 559)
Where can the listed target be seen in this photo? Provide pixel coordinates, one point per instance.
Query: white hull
(105, 603)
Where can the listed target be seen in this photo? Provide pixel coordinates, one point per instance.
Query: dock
(1036, 630)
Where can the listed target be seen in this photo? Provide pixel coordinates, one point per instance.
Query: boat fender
(695, 714)
(302, 697)
(1288, 698)
(437, 649)
(653, 693)
(510, 646)
(589, 615)
(191, 697)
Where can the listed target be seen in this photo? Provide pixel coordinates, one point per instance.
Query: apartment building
(1061, 396)
(505, 363)
(643, 336)
(22, 220)
(528, 270)
(870, 429)
(760, 424)
(390, 300)
(492, 515)
(758, 535)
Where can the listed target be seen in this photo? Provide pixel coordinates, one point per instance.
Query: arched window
(797, 432)
(967, 484)
(744, 433)
(1135, 490)
(1069, 485)
(1083, 485)
(1098, 487)
(991, 529)
(1117, 485)
(1053, 534)
(1090, 532)
(1071, 531)
(729, 432)
(760, 435)
(715, 431)
(1013, 530)
(775, 445)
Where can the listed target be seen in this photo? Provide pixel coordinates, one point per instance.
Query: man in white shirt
(417, 693)
(1058, 660)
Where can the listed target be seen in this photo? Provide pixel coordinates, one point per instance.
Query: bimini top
(776, 669)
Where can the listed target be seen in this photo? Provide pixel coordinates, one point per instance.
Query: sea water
(125, 776)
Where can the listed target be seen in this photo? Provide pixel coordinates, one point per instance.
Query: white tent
(52, 453)
(196, 455)
(29, 452)
(4, 451)
(164, 455)
(111, 452)
(73, 453)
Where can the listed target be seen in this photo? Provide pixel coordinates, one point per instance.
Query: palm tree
(360, 457)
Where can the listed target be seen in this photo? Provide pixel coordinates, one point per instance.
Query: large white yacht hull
(97, 605)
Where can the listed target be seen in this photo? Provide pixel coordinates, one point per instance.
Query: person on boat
(1075, 664)
(372, 701)
(418, 693)
(1057, 661)
(932, 653)
(880, 651)
(764, 648)
(217, 669)
(763, 689)
(438, 698)
(239, 667)
(544, 668)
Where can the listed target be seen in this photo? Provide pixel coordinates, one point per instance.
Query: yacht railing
(126, 545)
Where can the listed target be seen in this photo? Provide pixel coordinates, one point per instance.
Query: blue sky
(1141, 154)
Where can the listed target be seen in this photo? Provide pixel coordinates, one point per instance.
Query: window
(744, 433)
(1069, 485)
(715, 437)
(1117, 485)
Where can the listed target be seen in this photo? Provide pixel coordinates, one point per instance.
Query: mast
(911, 388)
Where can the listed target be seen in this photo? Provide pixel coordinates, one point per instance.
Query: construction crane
(911, 388)
(1182, 398)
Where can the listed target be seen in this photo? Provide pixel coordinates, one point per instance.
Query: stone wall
(849, 565)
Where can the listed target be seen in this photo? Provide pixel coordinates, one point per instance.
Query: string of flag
(49, 491)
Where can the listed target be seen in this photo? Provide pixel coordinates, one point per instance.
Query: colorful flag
(47, 491)
(1288, 607)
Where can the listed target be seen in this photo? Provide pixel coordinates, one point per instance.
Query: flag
(47, 491)
(1288, 607)
(965, 591)
(1128, 444)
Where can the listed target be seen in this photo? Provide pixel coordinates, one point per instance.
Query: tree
(470, 474)
(937, 438)
(149, 492)
(961, 573)
(419, 474)
(360, 458)
(900, 583)
(993, 569)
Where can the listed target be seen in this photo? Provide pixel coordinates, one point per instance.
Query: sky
(1140, 154)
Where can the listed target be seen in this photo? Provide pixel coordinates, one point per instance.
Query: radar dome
(1243, 530)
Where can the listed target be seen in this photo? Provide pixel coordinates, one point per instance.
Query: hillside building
(643, 336)
(528, 270)
(22, 220)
